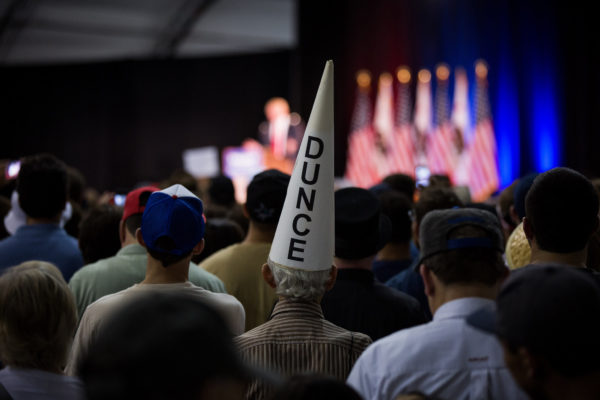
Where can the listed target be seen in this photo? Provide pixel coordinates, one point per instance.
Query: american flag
(483, 169)
(360, 169)
(441, 149)
(422, 116)
(384, 156)
(402, 148)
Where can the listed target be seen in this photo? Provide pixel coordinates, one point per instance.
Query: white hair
(299, 284)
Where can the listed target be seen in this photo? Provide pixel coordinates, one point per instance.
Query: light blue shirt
(445, 358)
(34, 384)
(44, 242)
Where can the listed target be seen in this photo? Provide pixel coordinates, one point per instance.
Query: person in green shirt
(128, 266)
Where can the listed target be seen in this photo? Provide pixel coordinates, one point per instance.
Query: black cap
(552, 310)
(266, 195)
(361, 230)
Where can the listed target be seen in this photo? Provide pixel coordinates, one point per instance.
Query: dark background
(129, 121)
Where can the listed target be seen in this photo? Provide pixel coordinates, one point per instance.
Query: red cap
(132, 201)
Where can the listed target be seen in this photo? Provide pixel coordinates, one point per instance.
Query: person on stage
(282, 131)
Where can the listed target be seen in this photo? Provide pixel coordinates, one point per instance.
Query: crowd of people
(423, 294)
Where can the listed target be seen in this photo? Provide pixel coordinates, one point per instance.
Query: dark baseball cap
(437, 226)
(552, 310)
(266, 195)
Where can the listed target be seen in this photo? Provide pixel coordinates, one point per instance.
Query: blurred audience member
(505, 203)
(99, 233)
(4, 210)
(222, 204)
(395, 255)
(181, 177)
(439, 180)
(462, 268)
(409, 281)
(221, 192)
(164, 346)
(42, 191)
(315, 387)
(561, 217)
(358, 302)
(517, 249)
(402, 183)
(240, 216)
(128, 266)
(172, 231)
(547, 321)
(75, 189)
(219, 233)
(37, 323)
(239, 265)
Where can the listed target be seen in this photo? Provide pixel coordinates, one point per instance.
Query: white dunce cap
(305, 234)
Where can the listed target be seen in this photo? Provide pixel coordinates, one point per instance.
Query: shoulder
(221, 299)
(201, 277)
(98, 267)
(218, 257)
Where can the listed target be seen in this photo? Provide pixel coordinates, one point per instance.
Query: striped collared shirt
(297, 339)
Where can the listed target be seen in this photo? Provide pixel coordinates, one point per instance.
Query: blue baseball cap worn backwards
(175, 213)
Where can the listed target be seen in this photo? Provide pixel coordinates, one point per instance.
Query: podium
(242, 163)
(270, 161)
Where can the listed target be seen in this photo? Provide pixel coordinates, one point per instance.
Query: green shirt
(123, 270)
(239, 267)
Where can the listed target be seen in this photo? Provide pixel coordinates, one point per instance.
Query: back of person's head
(99, 233)
(221, 191)
(361, 229)
(550, 310)
(486, 207)
(440, 180)
(562, 210)
(463, 246)
(219, 233)
(42, 186)
(37, 317)
(299, 284)
(163, 346)
(315, 387)
(402, 183)
(181, 177)
(172, 224)
(435, 198)
(397, 207)
(506, 200)
(522, 187)
(76, 185)
(265, 197)
(135, 203)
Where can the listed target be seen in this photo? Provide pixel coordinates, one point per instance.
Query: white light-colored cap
(16, 218)
(304, 238)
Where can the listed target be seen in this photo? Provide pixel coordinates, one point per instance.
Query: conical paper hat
(304, 238)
